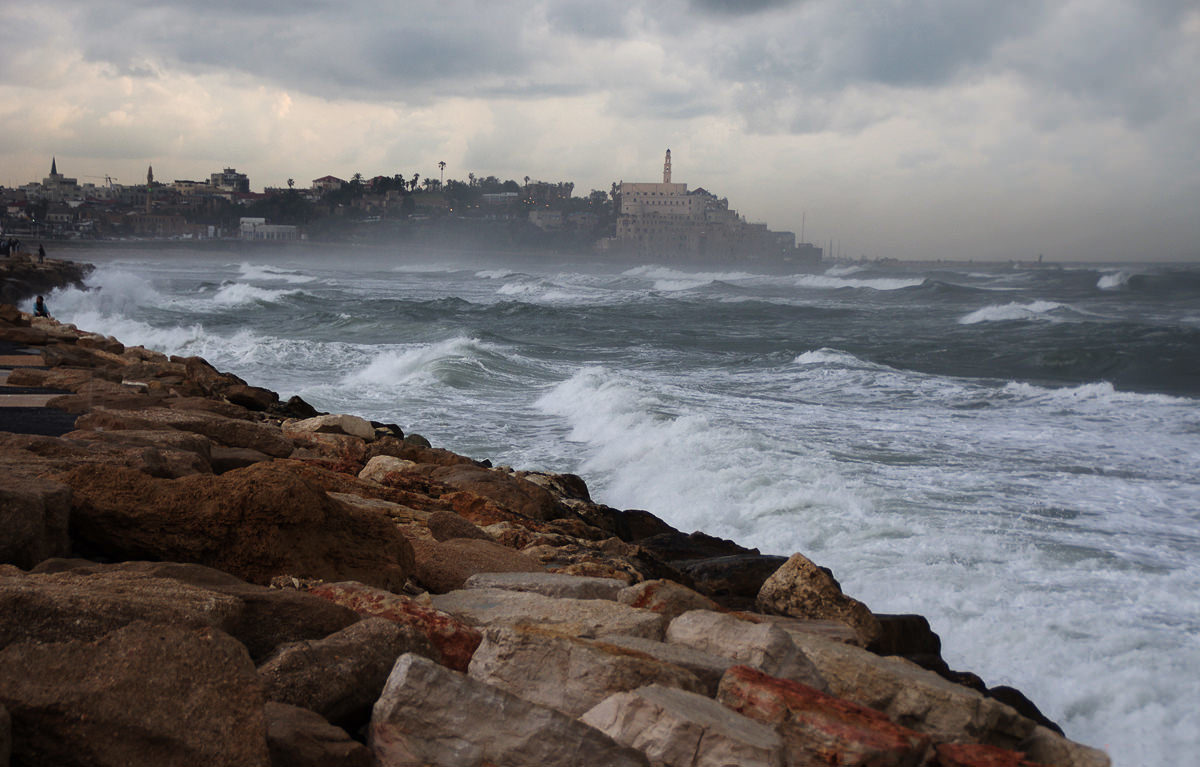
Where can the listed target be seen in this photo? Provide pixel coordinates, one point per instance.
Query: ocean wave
(1101, 392)
(241, 294)
(667, 274)
(267, 273)
(1114, 280)
(1038, 310)
(827, 356)
(844, 270)
(394, 367)
(495, 274)
(825, 282)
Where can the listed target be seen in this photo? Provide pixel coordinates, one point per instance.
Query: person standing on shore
(41, 254)
(39, 308)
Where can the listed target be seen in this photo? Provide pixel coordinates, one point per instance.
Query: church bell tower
(667, 168)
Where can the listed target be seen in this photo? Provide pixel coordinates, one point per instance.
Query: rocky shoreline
(194, 571)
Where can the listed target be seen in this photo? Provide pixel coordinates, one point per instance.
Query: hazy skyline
(970, 129)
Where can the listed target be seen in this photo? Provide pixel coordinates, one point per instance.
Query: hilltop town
(664, 220)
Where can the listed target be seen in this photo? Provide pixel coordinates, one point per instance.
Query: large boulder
(801, 589)
(33, 520)
(818, 728)
(565, 672)
(141, 695)
(340, 676)
(350, 425)
(673, 727)
(430, 715)
(505, 490)
(760, 645)
(581, 617)
(914, 697)
(733, 580)
(666, 597)
(255, 523)
(706, 667)
(454, 640)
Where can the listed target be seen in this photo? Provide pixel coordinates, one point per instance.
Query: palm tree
(442, 166)
(291, 183)
(413, 183)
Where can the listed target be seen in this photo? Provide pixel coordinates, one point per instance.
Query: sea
(1011, 450)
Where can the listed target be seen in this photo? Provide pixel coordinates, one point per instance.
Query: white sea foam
(844, 270)
(1037, 310)
(667, 274)
(265, 273)
(1113, 280)
(827, 356)
(1101, 392)
(397, 367)
(494, 274)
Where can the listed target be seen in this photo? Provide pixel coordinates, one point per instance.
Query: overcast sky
(905, 128)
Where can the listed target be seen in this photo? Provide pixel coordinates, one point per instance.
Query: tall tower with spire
(149, 186)
(667, 168)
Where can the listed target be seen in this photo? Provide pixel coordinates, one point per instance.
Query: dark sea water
(1012, 452)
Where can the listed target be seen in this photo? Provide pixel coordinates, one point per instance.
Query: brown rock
(452, 638)
(251, 397)
(446, 525)
(231, 432)
(33, 520)
(818, 728)
(298, 737)
(341, 676)
(5, 736)
(800, 589)
(255, 523)
(223, 459)
(144, 694)
(443, 566)
(508, 492)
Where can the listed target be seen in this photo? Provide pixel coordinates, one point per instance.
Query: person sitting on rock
(39, 308)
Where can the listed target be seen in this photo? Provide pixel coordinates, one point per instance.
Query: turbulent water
(1012, 452)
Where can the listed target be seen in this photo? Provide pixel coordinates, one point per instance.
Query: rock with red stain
(820, 729)
(979, 755)
(666, 597)
(453, 639)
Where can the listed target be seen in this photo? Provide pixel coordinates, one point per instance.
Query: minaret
(149, 186)
(667, 168)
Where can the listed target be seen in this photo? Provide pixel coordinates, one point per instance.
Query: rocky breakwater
(23, 276)
(200, 573)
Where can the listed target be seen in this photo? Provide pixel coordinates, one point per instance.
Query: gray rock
(549, 584)
(580, 617)
(430, 715)
(707, 667)
(673, 727)
(762, 646)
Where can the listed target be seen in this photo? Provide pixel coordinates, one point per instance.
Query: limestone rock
(706, 667)
(835, 631)
(678, 728)
(978, 755)
(1048, 747)
(381, 465)
(298, 737)
(144, 694)
(820, 729)
(760, 645)
(257, 522)
(340, 676)
(914, 697)
(454, 640)
(549, 584)
(33, 520)
(580, 617)
(666, 597)
(333, 424)
(800, 589)
(567, 673)
(343, 452)
(429, 715)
